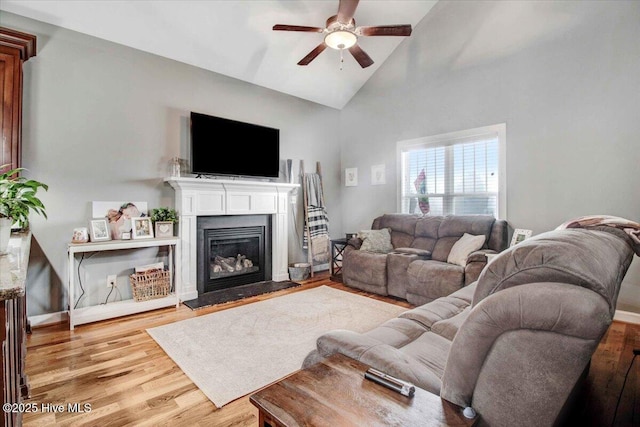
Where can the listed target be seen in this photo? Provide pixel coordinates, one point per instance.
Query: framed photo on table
(80, 235)
(519, 235)
(141, 228)
(99, 230)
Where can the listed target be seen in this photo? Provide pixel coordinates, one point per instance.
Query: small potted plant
(164, 218)
(17, 200)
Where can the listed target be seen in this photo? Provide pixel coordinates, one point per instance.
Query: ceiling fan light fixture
(340, 39)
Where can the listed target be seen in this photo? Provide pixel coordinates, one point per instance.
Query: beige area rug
(232, 353)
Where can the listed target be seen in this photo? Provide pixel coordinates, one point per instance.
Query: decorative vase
(5, 234)
(424, 207)
(175, 167)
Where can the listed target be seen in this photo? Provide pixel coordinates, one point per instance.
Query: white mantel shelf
(213, 197)
(207, 182)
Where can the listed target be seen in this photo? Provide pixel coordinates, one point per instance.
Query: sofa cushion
(466, 245)
(402, 227)
(448, 328)
(427, 232)
(376, 240)
(453, 227)
(434, 279)
(431, 350)
(435, 311)
(466, 293)
(595, 260)
(367, 267)
(397, 332)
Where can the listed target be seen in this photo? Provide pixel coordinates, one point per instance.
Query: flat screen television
(228, 147)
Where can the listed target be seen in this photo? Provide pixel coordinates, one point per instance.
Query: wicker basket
(150, 285)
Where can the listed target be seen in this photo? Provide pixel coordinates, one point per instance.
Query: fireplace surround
(206, 197)
(232, 251)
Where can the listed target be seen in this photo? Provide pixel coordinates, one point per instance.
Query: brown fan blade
(312, 55)
(361, 56)
(280, 27)
(346, 10)
(385, 30)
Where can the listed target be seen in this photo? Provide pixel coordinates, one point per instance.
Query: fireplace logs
(225, 266)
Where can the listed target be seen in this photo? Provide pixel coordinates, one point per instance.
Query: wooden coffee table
(335, 393)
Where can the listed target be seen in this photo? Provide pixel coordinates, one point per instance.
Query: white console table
(79, 316)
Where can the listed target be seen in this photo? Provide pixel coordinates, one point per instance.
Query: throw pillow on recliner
(461, 249)
(376, 241)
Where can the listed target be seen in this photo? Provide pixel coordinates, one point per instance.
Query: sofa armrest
(480, 256)
(554, 327)
(476, 262)
(354, 242)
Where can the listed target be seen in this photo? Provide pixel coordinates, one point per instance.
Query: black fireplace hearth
(232, 251)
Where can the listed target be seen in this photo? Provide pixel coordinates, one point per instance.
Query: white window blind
(458, 173)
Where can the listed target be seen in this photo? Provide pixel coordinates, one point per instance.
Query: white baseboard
(48, 318)
(627, 317)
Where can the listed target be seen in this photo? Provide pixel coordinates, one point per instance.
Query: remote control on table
(395, 384)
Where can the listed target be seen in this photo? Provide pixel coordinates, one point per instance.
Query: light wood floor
(117, 368)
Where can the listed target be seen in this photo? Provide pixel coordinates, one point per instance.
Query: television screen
(229, 147)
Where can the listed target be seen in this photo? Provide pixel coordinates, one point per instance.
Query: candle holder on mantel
(175, 167)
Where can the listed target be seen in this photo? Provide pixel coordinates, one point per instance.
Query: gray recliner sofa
(417, 269)
(514, 344)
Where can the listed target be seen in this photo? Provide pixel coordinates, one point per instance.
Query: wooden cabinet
(15, 49)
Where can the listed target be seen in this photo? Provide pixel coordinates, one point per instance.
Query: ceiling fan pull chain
(341, 58)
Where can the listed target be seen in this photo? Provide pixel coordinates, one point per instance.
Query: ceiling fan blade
(312, 55)
(346, 10)
(280, 27)
(385, 30)
(361, 56)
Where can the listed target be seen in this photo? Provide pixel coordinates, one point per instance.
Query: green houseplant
(164, 214)
(164, 219)
(17, 199)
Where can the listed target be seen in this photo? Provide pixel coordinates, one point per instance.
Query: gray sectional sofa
(513, 344)
(417, 269)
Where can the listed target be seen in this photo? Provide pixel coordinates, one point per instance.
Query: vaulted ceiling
(235, 38)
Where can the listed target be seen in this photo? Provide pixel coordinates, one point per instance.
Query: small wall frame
(351, 177)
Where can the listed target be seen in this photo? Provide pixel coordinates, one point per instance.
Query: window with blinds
(458, 173)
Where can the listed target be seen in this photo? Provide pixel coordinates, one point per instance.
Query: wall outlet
(111, 280)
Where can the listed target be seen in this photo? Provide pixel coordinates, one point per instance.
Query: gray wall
(102, 121)
(563, 76)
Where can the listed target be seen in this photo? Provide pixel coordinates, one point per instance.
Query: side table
(334, 392)
(337, 250)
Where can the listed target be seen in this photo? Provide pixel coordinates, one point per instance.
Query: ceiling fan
(341, 33)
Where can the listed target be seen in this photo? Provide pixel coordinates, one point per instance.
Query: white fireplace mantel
(209, 197)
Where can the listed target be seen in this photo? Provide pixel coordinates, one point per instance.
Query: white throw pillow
(376, 241)
(461, 250)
